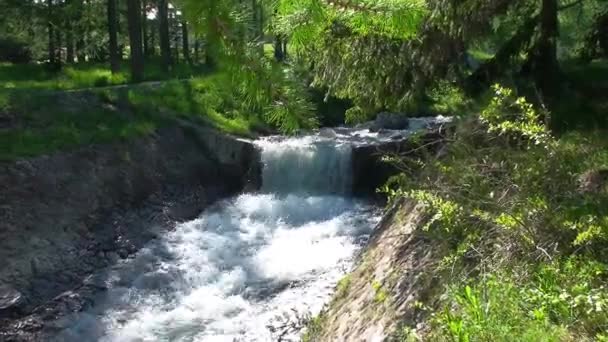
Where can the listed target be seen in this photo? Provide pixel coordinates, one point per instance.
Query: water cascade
(228, 274)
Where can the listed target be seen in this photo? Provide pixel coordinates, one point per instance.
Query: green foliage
(64, 121)
(350, 47)
(343, 287)
(313, 329)
(306, 21)
(211, 100)
(380, 293)
(505, 201)
(492, 311)
(555, 302)
(507, 114)
(448, 99)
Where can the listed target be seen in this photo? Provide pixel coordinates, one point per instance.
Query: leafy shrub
(505, 200)
(556, 302)
(448, 99)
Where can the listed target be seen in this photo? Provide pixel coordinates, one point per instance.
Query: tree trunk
(135, 41)
(285, 54)
(165, 44)
(144, 26)
(80, 41)
(51, 32)
(197, 49)
(279, 55)
(113, 33)
(175, 32)
(185, 42)
(546, 66)
(152, 35)
(257, 18)
(69, 34)
(69, 43)
(58, 46)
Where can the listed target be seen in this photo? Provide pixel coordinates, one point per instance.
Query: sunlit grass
(84, 75)
(48, 122)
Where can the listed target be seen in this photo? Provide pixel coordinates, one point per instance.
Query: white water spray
(226, 275)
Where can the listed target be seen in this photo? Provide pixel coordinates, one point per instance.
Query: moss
(343, 287)
(380, 293)
(314, 328)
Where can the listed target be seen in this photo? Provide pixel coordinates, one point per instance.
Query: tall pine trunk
(51, 32)
(135, 41)
(80, 41)
(113, 33)
(69, 34)
(152, 35)
(197, 49)
(58, 46)
(257, 27)
(185, 42)
(175, 34)
(546, 64)
(279, 54)
(144, 26)
(165, 44)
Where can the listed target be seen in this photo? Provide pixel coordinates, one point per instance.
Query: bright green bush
(504, 199)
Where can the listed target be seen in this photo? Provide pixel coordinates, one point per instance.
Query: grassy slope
(83, 75)
(37, 122)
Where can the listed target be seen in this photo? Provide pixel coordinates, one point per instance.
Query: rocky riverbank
(65, 215)
(391, 277)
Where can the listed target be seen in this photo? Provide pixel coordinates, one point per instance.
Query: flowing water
(228, 274)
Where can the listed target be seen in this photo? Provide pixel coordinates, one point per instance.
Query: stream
(247, 262)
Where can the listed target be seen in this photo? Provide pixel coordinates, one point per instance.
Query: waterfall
(228, 274)
(306, 165)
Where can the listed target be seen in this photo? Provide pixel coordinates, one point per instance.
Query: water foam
(227, 274)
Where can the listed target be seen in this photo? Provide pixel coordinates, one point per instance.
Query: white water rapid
(228, 274)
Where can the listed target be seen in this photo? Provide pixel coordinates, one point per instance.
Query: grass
(343, 287)
(314, 329)
(64, 121)
(84, 75)
(50, 124)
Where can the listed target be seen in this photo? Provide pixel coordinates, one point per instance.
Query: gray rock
(395, 121)
(10, 299)
(327, 133)
(112, 257)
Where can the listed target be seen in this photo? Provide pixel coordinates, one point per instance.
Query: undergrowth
(524, 215)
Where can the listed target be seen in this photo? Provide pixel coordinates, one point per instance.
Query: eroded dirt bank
(373, 302)
(65, 215)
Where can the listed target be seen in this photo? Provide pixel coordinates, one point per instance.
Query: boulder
(10, 300)
(327, 133)
(393, 121)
